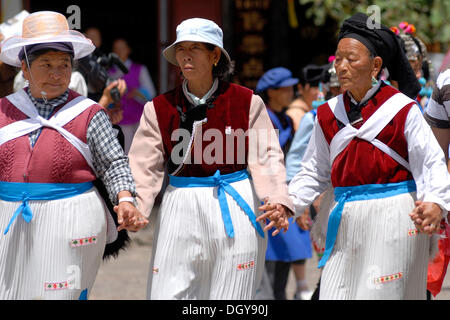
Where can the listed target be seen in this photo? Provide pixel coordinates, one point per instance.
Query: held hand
(427, 217)
(304, 221)
(278, 215)
(129, 217)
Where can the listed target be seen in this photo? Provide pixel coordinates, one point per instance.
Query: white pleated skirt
(378, 254)
(193, 258)
(56, 255)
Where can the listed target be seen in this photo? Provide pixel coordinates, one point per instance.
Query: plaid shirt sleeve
(109, 160)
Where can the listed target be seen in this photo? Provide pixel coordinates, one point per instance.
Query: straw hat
(45, 27)
(197, 30)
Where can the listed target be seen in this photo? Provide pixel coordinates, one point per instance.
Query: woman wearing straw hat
(373, 146)
(208, 241)
(53, 145)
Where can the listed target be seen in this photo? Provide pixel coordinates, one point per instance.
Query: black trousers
(278, 272)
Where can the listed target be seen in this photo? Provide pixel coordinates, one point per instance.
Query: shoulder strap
(377, 121)
(370, 129)
(70, 111)
(337, 106)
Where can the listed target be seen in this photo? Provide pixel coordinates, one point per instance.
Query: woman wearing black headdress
(386, 168)
(308, 90)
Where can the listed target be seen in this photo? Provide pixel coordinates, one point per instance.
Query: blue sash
(285, 133)
(15, 191)
(223, 184)
(363, 192)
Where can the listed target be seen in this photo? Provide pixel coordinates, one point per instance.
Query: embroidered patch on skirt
(245, 266)
(389, 278)
(57, 285)
(83, 241)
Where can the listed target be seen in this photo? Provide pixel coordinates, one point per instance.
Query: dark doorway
(135, 21)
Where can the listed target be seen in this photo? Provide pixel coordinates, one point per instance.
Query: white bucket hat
(198, 30)
(44, 27)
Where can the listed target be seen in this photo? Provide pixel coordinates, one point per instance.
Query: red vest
(361, 162)
(52, 159)
(231, 111)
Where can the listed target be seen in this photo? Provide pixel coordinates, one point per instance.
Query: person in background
(417, 55)
(438, 117)
(308, 91)
(140, 89)
(293, 247)
(276, 89)
(95, 35)
(334, 87)
(315, 80)
(7, 74)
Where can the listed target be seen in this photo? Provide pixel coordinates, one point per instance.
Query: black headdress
(382, 42)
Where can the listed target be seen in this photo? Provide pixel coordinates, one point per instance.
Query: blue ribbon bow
(222, 182)
(15, 191)
(23, 209)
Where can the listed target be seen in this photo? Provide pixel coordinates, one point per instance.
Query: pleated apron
(207, 242)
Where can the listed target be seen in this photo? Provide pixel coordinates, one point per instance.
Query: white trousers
(56, 255)
(377, 253)
(193, 258)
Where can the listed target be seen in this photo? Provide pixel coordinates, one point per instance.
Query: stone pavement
(125, 278)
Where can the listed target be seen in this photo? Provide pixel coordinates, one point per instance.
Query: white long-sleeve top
(426, 160)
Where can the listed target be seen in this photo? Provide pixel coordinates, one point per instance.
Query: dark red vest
(231, 111)
(361, 162)
(52, 159)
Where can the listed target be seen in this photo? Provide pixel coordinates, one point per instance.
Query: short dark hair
(33, 56)
(224, 68)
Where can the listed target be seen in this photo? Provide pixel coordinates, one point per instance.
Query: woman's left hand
(129, 217)
(278, 214)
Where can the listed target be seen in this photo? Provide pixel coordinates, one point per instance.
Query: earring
(374, 81)
(215, 64)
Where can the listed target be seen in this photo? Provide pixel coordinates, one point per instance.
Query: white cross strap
(370, 129)
(66, 114)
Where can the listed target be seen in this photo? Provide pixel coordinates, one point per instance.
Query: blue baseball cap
(276, 78)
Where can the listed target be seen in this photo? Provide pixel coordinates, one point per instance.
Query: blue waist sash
(223, 184)
(15, 191)
(363, 192)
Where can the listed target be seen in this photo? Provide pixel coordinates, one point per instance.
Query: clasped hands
(427, 217)
(278, 215)
(129, 217)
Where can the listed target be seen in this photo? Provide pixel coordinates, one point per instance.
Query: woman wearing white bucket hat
(53, 145)
(209, 243)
